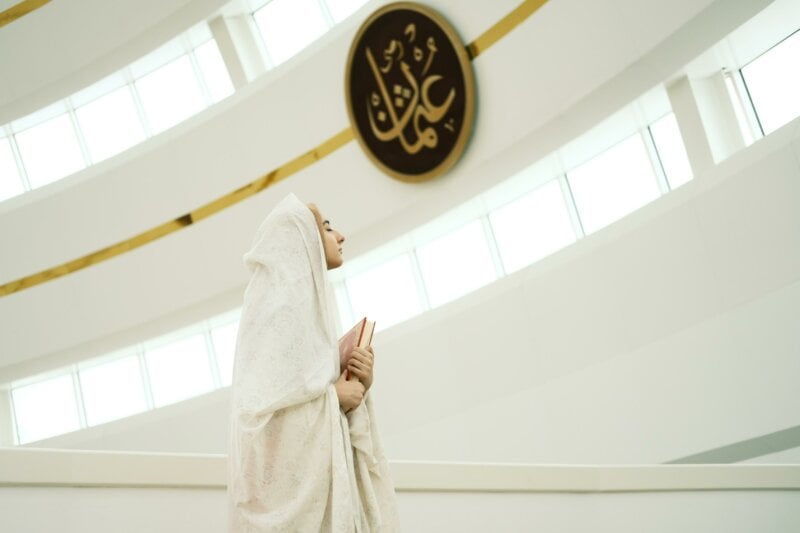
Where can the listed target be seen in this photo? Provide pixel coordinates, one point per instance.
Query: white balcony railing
(49, 490)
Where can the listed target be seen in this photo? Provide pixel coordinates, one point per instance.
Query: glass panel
(456, 264)
(346, 318)
(341, 9)
(738, 102)
(99, 89)
(50, 151)
(288, 26)
(613, 184)
(110, 124)
(200, 33)
(170, 94)
(112, 390)
(10, 182)
(45, 409)
(386, 293)
(179, 370)
(671, 150)
(532, 227)
(40, 115)
(224, 340)
(168, 52)
(773, 81)
(214, 71)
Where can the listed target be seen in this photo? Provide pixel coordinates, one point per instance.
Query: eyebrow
(328, 222)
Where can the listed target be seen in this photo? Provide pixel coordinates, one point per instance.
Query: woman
(304, 453)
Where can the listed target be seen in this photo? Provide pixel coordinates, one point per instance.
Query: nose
(339, 238)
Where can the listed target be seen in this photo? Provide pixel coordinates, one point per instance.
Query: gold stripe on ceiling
(20, 10)
(503, 27)
(284, 171)
(499, 30)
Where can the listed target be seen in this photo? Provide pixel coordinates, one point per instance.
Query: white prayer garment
(296, 461)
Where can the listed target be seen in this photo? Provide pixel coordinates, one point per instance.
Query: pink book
(359, 336)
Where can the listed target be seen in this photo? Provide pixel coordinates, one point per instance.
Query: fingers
(359, 369)
(360, 374)
(359, 364)
(362, 355)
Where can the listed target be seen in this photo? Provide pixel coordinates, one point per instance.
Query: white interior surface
(670, 333)
(662, 336)
(85, 491)
(89, 510)
(85, 42)
(667, 334)
(169, 281)
(790, 456)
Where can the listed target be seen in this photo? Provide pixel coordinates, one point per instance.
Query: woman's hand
(350, 393)
(360, 365)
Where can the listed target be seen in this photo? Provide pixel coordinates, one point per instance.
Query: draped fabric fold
(296, 462)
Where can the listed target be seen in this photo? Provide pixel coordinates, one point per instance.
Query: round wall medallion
(410, 91)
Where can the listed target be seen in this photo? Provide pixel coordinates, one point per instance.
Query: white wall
(197, 425)
(529, 105)
(89, 510)
(668, 334)
(700, 512)
(89, 492)
(790, 456)
(63, 47)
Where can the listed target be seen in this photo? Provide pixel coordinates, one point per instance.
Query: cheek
(330, 242)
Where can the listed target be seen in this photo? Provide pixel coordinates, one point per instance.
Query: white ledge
(70, 468)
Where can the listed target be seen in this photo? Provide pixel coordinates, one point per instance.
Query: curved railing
(34, 467)
(47, 490)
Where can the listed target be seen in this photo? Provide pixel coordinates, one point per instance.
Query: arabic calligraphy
(410, 93)
(414, 100)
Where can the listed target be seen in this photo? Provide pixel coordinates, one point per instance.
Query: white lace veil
(292, 464)
(287, 326)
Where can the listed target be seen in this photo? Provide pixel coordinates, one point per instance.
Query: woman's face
(331, 239)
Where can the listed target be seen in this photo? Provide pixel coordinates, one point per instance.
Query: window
(742, 107)
(50, 150)
(224, 340)
(170, 94)
(613, 184)
(456, 263)
(532, 226)
(346, 319)
(45, 409)
(117, 385)
(773, 82)
(110, 124)
(114, 114)
(214, 71)
(179, 370)
(112, 390)
(671, 150)
(10, 182)
(288, 26)
(386, 293)
(341, 9)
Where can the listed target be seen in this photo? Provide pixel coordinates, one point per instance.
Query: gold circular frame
(469, 92)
